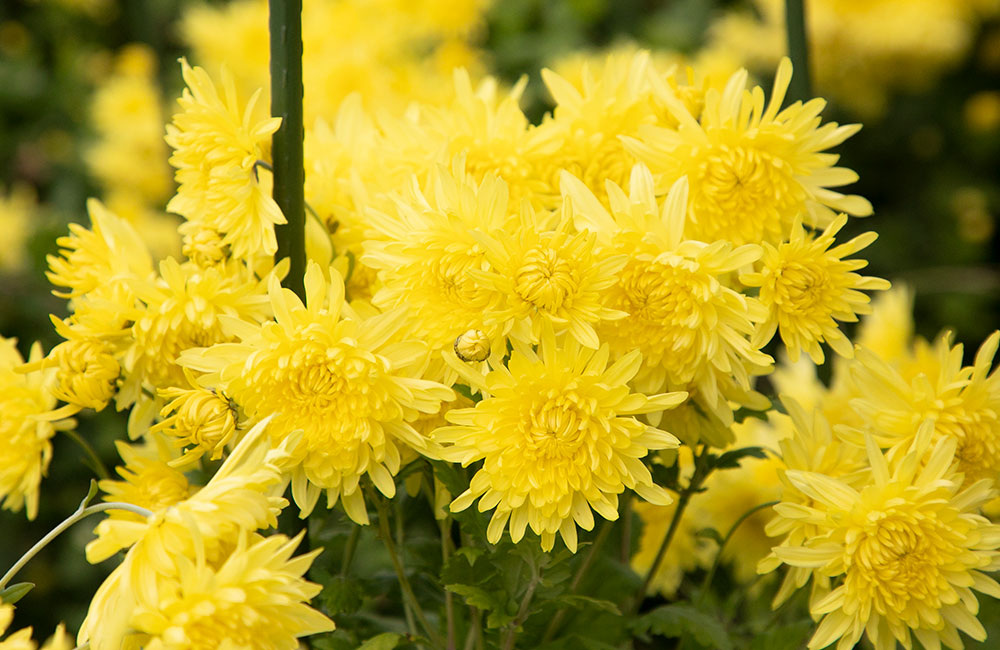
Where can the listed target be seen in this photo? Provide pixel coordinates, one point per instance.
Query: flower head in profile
(27, 423)
(256, 597)
(557, 438)
(906, 549)
(692, 328)
(350, 384)
(199, 417)
(808, 287)
(752, 169)
(217, 146)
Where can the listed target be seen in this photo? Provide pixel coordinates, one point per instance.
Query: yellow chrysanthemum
(17, 209)
(888, 329)
(425, 253)
(216, 150)
(27, 424)
(752, 170)
(254, 598)
(808, 286)
(199, 417)
(548, 278)
(963, 402)
(692, 329)
(149, 480)
(348, 383)
(906, 550)
(557, 440)
(243, 495)
(21, 640)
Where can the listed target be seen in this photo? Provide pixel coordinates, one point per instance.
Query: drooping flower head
(558, 440)
(906, 550)
(350, 384)
(807, 286)
(752, 169)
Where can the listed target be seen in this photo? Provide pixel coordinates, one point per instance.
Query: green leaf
(15, 592)
(731, 459)
(453, 476)
(384, 641)
(342, 595)
(679, 621)
(710, 533)
(790, 636)
(475, 596)
(586, 602)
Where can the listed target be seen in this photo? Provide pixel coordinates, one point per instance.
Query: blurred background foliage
(927, 159)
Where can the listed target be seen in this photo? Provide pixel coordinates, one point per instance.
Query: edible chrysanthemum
(557, 440)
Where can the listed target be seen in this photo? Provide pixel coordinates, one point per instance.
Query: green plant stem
(349, 548)
(285, 22)
(474, 637)
(522, 613)
(81, 513)
(98, 466)
(404, 583)
(553, 627)
(400, 542)
(444, 525)
(707, 582)
(626, 516)
(798, 50)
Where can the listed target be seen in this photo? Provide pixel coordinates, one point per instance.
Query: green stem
(349, 548)
(798, 50)
(285, 20)
(557, 620)
(449, 606)
(404, 583)
(626, 549)
(97, 465)
(523, 611)
(707, 582)
(81, 513)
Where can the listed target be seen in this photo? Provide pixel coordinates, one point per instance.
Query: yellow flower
(888, 329)
(348, 383)
(216, 150)
(88, 371)
(27, 424)
(963, 402)
(752, 170)
(557, 440)
(425, 253)
(21, 640)
(692, 329)
(150, 481)
(199, 417)
(808, 286)
(17, 210)
(254, 598)
(906, 550)
(548, 277)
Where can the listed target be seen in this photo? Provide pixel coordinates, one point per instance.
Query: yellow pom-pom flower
(348, 383)
(752, 170)
(557, 439)
(808, 286)
(216, 150)
(199, 417)
(254, 598)
(906, 550)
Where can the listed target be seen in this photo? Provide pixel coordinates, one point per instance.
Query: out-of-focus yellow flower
(349, 383)
(254, 597)
(27, 423)
(808, 286)
(687, 550)
(752, 169)
(905, 546)
(557, 440)
(21, 640)
(888, 329)
(18, 210)
(217, 147)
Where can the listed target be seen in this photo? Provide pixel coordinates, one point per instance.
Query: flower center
(800, 287)
(545, 279)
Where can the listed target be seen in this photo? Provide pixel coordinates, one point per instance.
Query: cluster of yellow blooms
(603, 283)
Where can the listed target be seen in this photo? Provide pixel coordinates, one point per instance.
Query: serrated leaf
(15, 592)
(586, 602)
(475, 596)
(384, 641)
(470, 553)
(342, 595)
(731, 459)
(680, 620)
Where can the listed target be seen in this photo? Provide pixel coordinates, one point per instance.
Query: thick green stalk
(800, 87)
(286, 149)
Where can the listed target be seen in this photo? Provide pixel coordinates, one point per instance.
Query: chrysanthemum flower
(752, 169)
(426, 249)
(557, 439)
(962, 401)
(692, 329)
(149, 480)
(199, 417)
(348, 383)
(808, 286)
(255, 598)
(216, 150)
(548, 277)
(27, 424)
(906, 550)
(21, 640)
